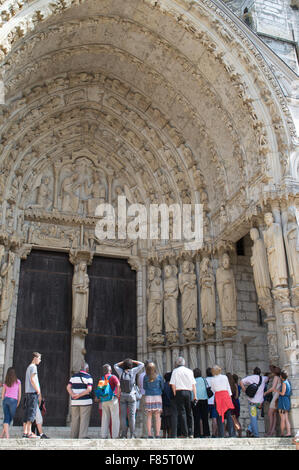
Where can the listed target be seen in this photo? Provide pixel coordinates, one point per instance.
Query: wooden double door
(44, 323)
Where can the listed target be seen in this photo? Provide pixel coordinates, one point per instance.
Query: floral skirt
(153, 403)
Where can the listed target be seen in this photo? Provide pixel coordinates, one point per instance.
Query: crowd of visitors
(183, 403)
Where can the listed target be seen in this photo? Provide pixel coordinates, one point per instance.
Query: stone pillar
(175, 352)
(80, 293)
(228, 348)
(193, 359)
(139, 265)
(168, 360)
(211, 357)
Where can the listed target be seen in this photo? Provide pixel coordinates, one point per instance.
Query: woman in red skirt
(222, 392)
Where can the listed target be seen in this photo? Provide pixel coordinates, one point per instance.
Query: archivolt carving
(161, 158)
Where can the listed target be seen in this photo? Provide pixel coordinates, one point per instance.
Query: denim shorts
(31, 404)
(9, 409)
(212, 411)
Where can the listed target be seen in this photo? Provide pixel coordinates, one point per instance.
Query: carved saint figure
(188, 289)
(291, 234)
(8, 285)
(227, 294)
(261, 274)
(171, 292)
(70, 201)
(43, 194)
(207, 297)
(275, 251)
(97, 193)
(155, 297)
(80, 288)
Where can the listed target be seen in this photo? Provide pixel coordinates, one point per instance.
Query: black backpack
(253, 388)
(127, 382)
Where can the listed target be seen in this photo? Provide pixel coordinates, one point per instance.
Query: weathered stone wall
(276, 22)
(252, 334)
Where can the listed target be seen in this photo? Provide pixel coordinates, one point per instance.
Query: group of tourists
(181, 404)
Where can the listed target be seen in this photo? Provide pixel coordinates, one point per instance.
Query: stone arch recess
(257, 129)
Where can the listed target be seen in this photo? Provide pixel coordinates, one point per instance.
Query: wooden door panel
(43, 324)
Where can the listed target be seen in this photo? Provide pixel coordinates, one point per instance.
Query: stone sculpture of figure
(80, 289)
(8, 285)
(43, 194)
(207, 297)
(97, 193)
(171, 292)
(70, 201)
(291, 234)
(155, 298)
(275, 251)
(261, 274)
(227, 294)
(188, 289)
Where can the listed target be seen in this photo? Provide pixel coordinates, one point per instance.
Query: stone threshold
(60, 440)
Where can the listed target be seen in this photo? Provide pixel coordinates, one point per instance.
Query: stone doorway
(112, 317)
(44, 319)
(43, 324)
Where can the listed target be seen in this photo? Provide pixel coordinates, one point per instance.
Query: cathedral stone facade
(163, 102)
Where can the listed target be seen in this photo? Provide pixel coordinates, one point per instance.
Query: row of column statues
(163, 305)
(275, 257)
(275, 263)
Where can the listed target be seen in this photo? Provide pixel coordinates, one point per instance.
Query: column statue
(291, 234)
(207, 297)
(80, 288)
(275, 252)
(261, 273)
(154, 307)
(188, 289)
(8, 285)
(171, 292)
(227, 294)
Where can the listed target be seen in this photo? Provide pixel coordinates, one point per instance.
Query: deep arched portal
(161, 102)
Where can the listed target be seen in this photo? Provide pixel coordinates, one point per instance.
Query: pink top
(12, 392)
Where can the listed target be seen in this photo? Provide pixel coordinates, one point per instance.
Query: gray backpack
(127, 381)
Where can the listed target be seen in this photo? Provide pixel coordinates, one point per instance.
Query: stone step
(59, 440)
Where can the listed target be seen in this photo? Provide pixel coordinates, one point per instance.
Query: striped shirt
(79, 382)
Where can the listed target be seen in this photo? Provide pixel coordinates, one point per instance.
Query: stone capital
(77, 256)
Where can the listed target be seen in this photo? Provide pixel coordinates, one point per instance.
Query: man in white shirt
(183, 383)
(255, 402)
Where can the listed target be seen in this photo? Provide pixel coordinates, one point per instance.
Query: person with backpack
(127, 371)
(253, 386)
(108, 392)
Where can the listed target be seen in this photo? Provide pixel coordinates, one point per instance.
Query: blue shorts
(9, 409)
(213, 411)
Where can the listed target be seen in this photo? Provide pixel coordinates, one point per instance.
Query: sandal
(32, 436)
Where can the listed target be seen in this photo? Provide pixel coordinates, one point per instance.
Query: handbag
(137, 392)
(252, 389)
(209, 390)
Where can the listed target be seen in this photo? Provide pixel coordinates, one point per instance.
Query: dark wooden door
(43, 324)
(112, 317)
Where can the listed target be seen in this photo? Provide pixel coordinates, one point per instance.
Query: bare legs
(157, 423)
(284, 423)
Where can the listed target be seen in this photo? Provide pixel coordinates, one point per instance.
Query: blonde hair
(151, 372)
(216, 370)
